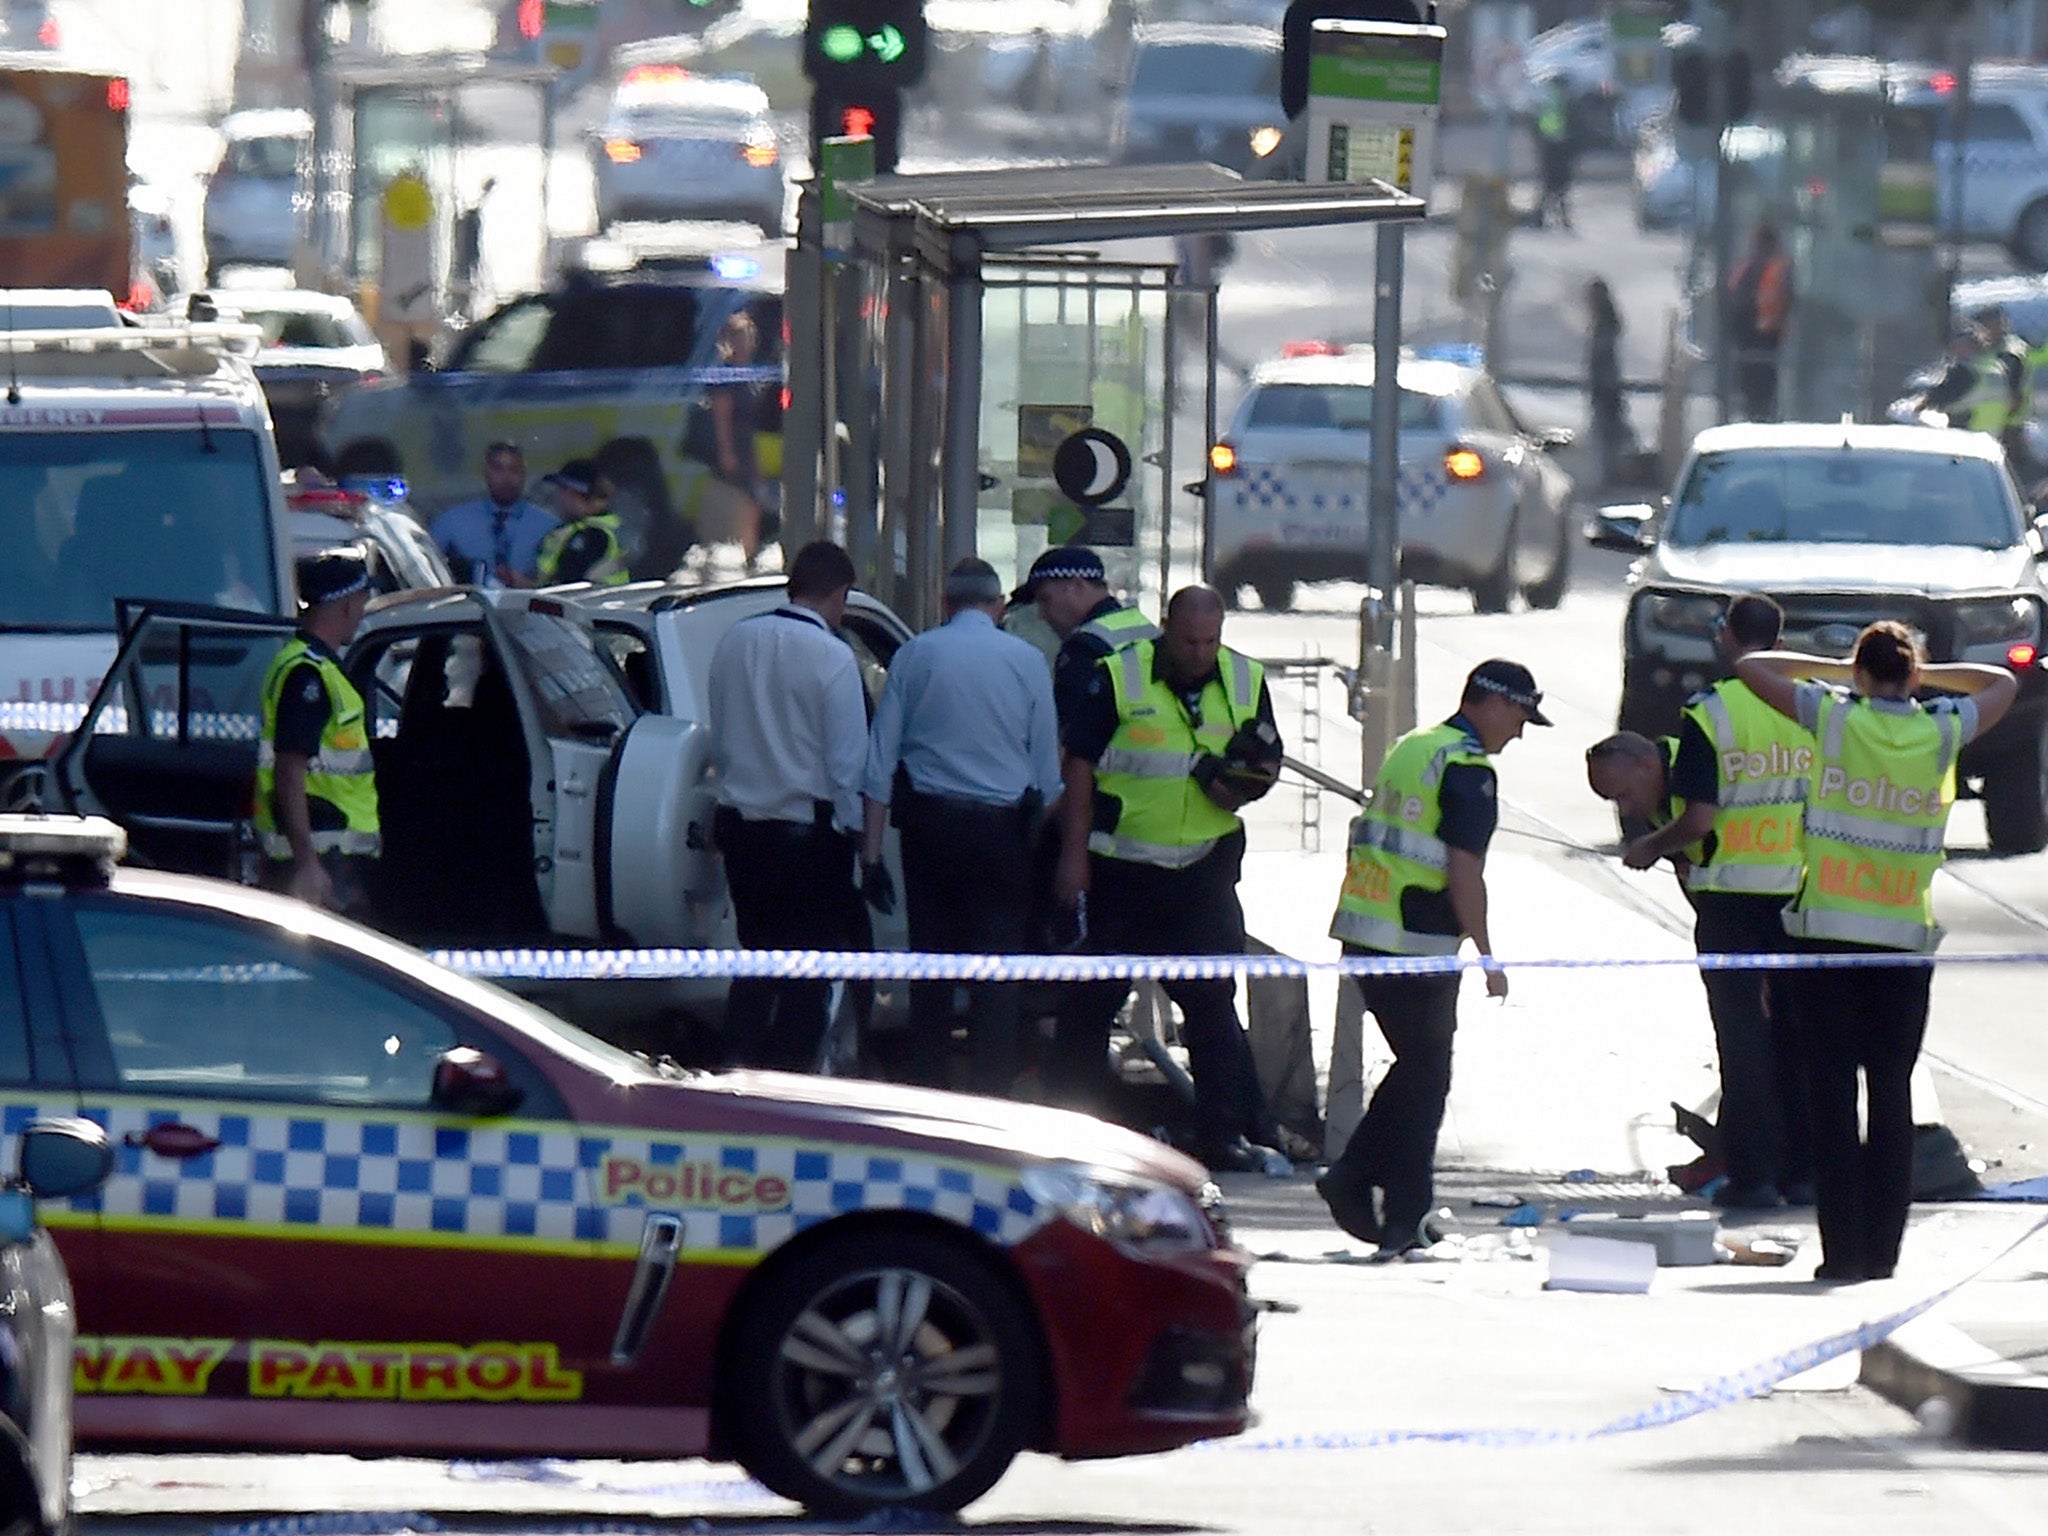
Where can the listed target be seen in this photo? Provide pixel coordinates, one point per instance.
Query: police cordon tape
(912, 965)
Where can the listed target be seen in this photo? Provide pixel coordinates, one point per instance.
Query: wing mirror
(471, 1082)
(62, 1159)
(1630, 528)
(1196, 488)
(1551, 439)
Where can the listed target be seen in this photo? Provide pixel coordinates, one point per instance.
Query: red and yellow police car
(364, 1204)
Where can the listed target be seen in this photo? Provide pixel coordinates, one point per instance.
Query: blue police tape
(1737, 1386)
(899, 965)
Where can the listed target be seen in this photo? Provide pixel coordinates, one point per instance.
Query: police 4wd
(1844, 525)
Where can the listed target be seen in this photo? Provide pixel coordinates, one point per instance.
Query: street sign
(405, 275)
(1297, 26)
(1373, 95)
(1092, 466)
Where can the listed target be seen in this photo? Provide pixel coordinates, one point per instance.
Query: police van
(136, 462)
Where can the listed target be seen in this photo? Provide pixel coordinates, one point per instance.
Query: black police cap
(331, 575)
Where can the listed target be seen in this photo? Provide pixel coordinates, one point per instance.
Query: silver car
(1201, 93)
(679, 146)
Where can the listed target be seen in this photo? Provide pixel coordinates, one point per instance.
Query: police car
(365, 1204)
(1842, 525)
(135, 462)
(1482, 505)
(374, 515)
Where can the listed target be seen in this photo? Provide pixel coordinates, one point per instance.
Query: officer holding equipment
(316, 790)
(1169, 740)
(1415, 884)
(1877, 804)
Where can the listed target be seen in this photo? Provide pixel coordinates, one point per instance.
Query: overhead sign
(1374, 92)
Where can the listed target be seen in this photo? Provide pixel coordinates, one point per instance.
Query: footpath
(1561, 1103)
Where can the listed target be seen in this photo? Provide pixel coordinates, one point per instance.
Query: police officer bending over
(965, 752)
(1169, 740)
(316, 791)
(1415, 884)
(585, 547)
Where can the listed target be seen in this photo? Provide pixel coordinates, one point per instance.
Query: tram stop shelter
(948, 335)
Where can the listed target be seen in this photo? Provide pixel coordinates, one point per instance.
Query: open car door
(167, 747)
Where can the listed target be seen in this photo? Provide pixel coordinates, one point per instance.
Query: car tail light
(48, 35)
(1223, 460)
(654, 74)
(1462, 463)
(2021, 655)
(621, 151)
(759, 153)
(331, 499)
(1310, 349)
(117, 92)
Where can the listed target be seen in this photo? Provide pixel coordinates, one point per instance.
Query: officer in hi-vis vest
(1736, 783)
(1415, 884)
(316, 791)
(1877, 803)
(1169, 741)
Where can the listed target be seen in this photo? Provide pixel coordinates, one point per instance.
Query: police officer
(316, 790)
(1170, 739)
(2017, 361)
(1415, 884)
(1877, 804)
(1729, 805)
(586, 546)
(1973, 391)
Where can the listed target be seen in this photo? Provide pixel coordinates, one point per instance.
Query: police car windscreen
(88, 517)
(1844, 496)
(1343, 407)
(1205, 69)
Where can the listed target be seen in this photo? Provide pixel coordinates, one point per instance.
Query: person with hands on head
(964, 754)
(1876, 810)
(1415, 885)
(316, 789)
(1168, 742)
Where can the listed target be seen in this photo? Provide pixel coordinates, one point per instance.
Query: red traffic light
(117, 95)
(857, 122)
(532, 18)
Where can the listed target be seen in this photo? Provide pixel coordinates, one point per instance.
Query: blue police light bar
(376, 487)
(735, 269)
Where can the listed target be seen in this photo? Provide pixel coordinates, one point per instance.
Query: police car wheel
(880, 1370)
(2016, 800)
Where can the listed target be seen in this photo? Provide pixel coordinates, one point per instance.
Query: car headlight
(1265, 140)
(1678, 613)
(1994, 623)
(1142, 1218)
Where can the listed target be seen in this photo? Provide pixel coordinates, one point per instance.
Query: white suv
(251, 215)
(135, 462)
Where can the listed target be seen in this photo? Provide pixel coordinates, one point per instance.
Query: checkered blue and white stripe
(1270, 488)
(410, 1175)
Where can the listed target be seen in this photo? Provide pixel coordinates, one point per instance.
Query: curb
(1998, 1405)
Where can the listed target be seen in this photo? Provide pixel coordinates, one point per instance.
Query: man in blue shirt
(494, 541)
(964, 753)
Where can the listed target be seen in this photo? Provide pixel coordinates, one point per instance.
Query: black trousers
(1764, 1122)
(1868, 1020)
(792, 888)
(1394, 1147)
(967, 872)
(1141, 909)
(1756, 381)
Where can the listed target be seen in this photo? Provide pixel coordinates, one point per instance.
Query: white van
(135, 463)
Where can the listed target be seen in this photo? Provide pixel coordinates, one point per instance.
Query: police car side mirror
(1630, 528)
(471, 1082)
(62, 1159)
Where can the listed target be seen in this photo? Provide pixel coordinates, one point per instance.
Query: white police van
(136, 462)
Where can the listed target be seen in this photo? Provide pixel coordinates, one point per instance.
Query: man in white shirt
(965, 755)
(789, 719)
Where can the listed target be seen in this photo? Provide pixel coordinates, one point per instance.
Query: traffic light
(851, 113)
(865, 43)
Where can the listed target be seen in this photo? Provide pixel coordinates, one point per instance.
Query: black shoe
(1840, 1274)
(1351, 1207)
(1415, 1242)
(1238, 1156)
(1748, 1197)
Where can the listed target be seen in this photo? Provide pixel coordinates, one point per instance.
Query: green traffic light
(888, 44)
(841, 44)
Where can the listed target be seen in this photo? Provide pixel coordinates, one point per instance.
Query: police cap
(332, 575)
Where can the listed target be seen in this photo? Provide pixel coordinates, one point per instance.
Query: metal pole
(963, 411)
(1170, 393)
(855, 354)
(1724, 215)
(803, 422)
(1209, 331)
(1383, 539)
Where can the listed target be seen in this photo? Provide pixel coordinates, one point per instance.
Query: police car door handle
(172, 1140)
(660, 1241)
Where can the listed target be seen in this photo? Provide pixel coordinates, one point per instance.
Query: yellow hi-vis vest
(339, 773)
(1166, 819)
(1394, 846)
(1876, 810)
(1126, 626)
(1988, 405)
(610, 567)
(1763, 763)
